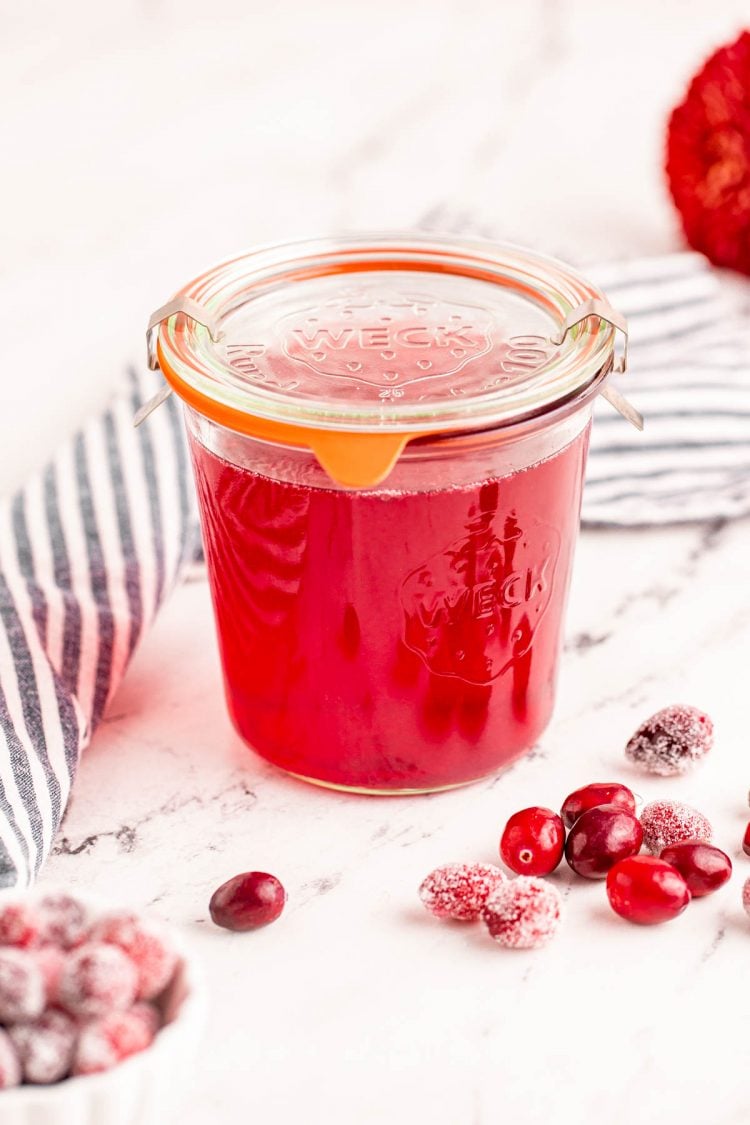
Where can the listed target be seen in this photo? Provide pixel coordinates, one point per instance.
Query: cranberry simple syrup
(390, 641)
(388, 437)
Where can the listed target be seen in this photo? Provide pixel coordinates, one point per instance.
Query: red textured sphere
(247, 901)
(646, 890)
(523, 913)
(96, 978)
(708, 157)
(590, 796)
(600, 838)
(672, 822)
(144, 944)
(459, 890)
(19, 925)
(704, 867)
(533, 841)
(107, 1041)
(672, 741)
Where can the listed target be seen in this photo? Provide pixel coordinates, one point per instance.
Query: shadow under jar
(389, 454)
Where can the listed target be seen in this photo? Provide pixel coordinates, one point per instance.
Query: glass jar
(389, 452)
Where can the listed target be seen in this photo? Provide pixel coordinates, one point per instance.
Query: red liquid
(390, 642)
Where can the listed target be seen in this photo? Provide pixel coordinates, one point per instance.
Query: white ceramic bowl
(145, 1089)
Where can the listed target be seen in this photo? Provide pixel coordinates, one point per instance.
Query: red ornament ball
(459, 890)
(523, 913)
(708, 157)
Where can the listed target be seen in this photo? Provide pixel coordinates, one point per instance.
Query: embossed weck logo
(471, 610)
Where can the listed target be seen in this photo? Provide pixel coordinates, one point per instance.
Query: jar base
(367, 791)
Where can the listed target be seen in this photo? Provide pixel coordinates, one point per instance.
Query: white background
(142, 142)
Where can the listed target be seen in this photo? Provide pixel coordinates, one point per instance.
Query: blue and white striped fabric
(93, 544)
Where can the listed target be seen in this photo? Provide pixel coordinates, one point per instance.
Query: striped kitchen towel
(93, 544)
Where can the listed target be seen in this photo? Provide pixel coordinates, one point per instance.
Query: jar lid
(357, 345)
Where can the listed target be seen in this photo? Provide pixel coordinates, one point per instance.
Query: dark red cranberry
(746, 841)
(247, 901)
(646, 890)
(600, 838)
(533, 841)
(598, 793)
(704, 867)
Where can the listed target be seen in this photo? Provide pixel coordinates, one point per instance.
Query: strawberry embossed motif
(471, 611)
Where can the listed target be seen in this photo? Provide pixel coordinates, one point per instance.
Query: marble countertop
(356, 1006)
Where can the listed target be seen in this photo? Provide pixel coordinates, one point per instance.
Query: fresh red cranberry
(459, 890)
(523, 913)
(646, 890)
(600, 838)
(146, 947)
(704, 867)
(598, 793)
(746, 841)
(247, 901)
(533, 841)
(97, 978)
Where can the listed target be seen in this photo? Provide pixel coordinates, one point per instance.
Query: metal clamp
(595, 307)
(196, 312)
(184, 305)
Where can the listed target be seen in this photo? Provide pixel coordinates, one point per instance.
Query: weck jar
(389, 437)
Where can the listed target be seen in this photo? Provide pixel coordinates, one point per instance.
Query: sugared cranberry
(598, 793)
(21, 986)
(149, 951)
(45, 1047)
(63, 921)
(247, 901)
(671, 741)
(523, 913)
(746, 841)
(50, 960)
(97, 978)
(10, 1066)
(746, 896)
(19, 925)
(646, 890)
(108, 1040)
(533, 841)
(671, 822)
(459, 890)
(600, 838)
(704, 867)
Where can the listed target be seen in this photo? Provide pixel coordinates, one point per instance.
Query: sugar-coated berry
(50, 959)
(19, 925)
(704, 867)
(97, 978)
(108, 1040)
(600, 838)
(22, 995)
(459, 890)
(597, 793)
(45, 1047)
(10, 1066)
(533, 841)
(523, 913)
(63, 921)
(672, 822)
(144, 944)
(247, 901)
(746, 896)
(646, 890)
(671, 741)
(746, 841)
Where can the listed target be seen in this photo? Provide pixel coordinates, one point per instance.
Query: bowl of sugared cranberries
(100, 1012)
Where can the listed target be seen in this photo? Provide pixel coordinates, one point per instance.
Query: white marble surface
(143, 141)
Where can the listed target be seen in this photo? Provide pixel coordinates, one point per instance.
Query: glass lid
(384, 334)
